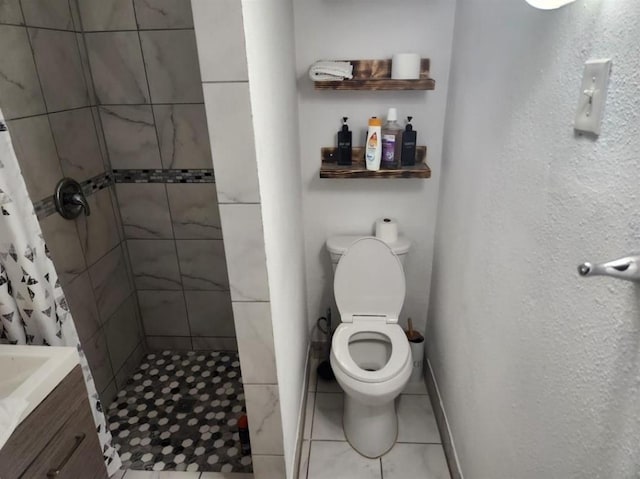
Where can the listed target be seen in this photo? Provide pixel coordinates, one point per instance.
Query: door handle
(627, 268)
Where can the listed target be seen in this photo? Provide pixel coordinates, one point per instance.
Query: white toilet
(370, 354)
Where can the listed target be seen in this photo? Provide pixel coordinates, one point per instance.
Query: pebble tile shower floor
(179, 412)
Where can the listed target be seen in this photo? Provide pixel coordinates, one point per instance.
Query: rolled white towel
(331, 71)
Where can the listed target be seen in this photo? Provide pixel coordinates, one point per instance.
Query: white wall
(270, 57)
(361, 29)
(539, 370)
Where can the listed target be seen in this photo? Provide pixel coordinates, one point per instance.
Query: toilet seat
(400, 351)
(369, 288)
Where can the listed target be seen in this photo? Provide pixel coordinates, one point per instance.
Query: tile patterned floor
(178, 412)
(418, 454)
(179, 475)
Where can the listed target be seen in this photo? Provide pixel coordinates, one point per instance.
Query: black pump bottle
(344, 144)
(409, 137)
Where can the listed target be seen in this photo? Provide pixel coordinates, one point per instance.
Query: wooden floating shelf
(330, 168)
(376, 75)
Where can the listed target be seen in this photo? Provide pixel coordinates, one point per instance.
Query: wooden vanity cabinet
(58, 440)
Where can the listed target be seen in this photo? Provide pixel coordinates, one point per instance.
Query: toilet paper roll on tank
(386, 229)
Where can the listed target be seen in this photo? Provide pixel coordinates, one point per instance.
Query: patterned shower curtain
(33, 308)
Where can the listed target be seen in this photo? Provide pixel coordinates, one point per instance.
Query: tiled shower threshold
(179, 412)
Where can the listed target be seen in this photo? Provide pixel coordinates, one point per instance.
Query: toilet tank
(337, 245)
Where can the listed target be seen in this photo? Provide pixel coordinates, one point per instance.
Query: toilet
(370, 354)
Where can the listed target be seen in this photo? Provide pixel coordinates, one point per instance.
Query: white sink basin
(30, 373)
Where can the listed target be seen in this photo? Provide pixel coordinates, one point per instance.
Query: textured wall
(538, 369)
(271, 63)
(225, 50)
(369, 29)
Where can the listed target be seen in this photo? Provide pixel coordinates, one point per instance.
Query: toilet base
(371, 430)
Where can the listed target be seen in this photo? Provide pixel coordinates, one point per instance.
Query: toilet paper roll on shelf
(387, 230)
(405, 66)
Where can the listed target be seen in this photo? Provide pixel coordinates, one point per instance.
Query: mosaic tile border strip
(97, 183)
(46, 207)
(164, 176)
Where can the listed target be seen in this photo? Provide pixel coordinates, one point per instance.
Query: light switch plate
(593, 95)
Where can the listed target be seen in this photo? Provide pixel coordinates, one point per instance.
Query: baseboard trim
(443, 424)
(301, 414)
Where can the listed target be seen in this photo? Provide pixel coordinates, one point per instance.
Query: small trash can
(417, 352)
(416, 343)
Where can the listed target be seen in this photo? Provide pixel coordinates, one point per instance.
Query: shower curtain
(33, 308)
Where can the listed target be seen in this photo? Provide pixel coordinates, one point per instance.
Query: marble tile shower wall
(222, 55)
(47, 96)
(143, 58)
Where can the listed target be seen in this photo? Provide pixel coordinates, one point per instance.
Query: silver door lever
(627, 268)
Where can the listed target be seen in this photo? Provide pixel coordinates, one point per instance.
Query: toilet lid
(369, 282)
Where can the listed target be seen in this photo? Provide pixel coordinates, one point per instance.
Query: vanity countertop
(29, 373)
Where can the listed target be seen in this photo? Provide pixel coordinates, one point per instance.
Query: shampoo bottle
(409, 144)
(391, 140)
(373, 146)
(344, 144)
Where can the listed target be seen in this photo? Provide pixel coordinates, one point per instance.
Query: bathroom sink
(30, 373)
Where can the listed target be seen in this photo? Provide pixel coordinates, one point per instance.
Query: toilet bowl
(370, 354)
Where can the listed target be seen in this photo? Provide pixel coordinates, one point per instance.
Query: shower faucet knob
(70, 200)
